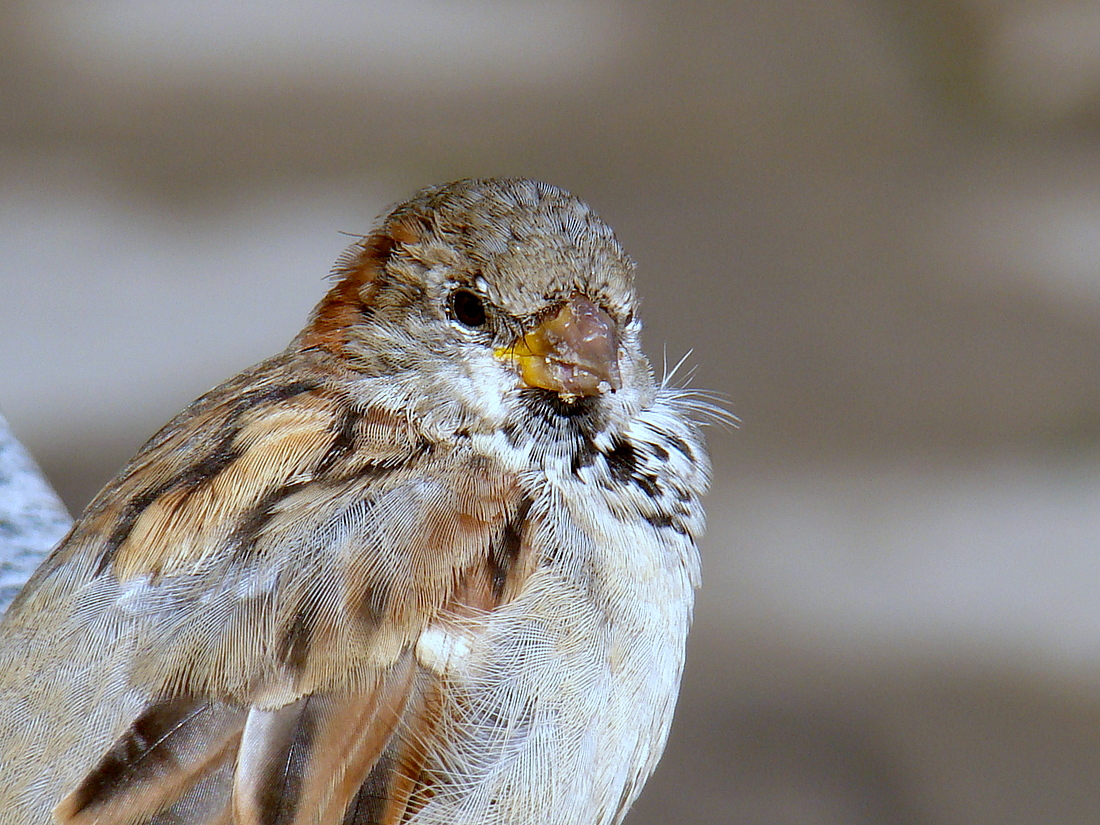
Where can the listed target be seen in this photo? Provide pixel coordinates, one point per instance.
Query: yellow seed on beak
(573, 353)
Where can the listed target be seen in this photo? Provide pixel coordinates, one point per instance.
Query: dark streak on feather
(680, 445)
(372, 470)
(252, 523)
(622, 460)
(623, 465)
(272, 395)
(294, 644)
(296, 640)
(381, 246)
(193, 476)
(344, 443)
(208, 466)
(511, 432)
(648, 483)
(136, 754)
(504, 552)
(664, 520)
(373, 604)
(584, 455)
(281, 788)
(130, 514)
(369, 804)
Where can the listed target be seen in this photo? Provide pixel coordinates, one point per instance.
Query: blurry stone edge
(32, 517)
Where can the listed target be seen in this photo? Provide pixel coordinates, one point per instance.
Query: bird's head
(484, 298)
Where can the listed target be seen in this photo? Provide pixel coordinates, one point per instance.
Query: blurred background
(876, 224)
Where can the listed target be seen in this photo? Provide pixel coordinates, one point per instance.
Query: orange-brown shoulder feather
(271, 447)
(358, 274)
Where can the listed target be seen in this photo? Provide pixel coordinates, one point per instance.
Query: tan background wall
(877, 224)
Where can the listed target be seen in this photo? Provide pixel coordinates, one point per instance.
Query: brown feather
(303, 762)
(328, 327)
(160, 756)
(397, 786)
(460, 551)
(179, 529)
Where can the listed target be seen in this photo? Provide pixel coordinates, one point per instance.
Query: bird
(433, 563)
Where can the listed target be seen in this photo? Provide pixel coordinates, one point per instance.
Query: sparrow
(433, 563)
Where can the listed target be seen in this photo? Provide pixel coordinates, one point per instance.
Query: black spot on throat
(622, 460)
(548, 408)
(624, 465)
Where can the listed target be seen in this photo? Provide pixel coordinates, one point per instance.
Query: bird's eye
(467, 308)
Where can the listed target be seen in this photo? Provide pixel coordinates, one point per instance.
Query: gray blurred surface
(876, 223)
(32, 518)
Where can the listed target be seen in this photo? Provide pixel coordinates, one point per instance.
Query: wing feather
(271, 608)
(161, 754)
(303, 762)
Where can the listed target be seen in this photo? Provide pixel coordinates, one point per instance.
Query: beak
(575, 352)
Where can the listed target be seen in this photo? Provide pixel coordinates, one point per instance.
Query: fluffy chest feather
(577, 678)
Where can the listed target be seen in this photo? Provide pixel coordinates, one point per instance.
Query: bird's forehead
(527, 277)
(527, 242)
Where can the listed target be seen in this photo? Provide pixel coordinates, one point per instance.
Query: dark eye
(467, 308)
